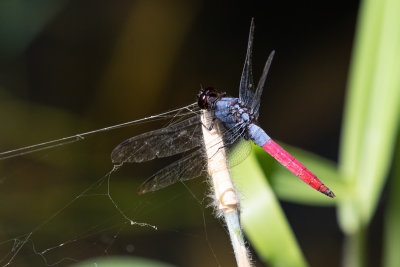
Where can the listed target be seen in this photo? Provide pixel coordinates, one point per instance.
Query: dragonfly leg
(212, 124)
(229, 142)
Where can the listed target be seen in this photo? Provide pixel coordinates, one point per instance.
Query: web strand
(191, 109)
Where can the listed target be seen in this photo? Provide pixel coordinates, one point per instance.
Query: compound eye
(202, 101)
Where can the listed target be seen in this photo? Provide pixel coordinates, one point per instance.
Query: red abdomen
(296, 167)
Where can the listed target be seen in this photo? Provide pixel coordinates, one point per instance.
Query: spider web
(56, 212)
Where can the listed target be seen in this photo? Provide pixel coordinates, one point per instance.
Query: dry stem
(225, 193)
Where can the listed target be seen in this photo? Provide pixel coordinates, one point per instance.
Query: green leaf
(372, 112)
(263, 219)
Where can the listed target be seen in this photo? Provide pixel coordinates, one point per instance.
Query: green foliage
(372, 112)
(263, 219)
(392, 218)
(370, 127)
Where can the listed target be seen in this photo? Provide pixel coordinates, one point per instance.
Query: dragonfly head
(207, 98)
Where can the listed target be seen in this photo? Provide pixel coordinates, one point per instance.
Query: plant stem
(227, 202)
(354, 249)
(391, 245)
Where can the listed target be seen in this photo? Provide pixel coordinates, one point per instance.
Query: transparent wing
(246, 88)
(238, 152)
(173, 139)
(187, 168)
(236, 147)
(255, 103)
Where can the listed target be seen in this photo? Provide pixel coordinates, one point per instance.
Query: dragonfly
(238, 117)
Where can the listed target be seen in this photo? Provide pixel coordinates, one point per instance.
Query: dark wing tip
(252, 23)
(147, 186)
(115, 158)
(141, 191)
(272, 54)
(270, 58)
(117, 151)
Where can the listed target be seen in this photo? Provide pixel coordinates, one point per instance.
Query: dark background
(72, 66)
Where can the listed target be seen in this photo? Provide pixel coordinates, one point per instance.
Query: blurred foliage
(391, 236)
(371, 122)
(372, 112)
(22, 20)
